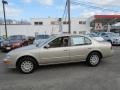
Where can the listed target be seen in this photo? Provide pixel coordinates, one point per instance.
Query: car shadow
(58, 66)
(81, 65)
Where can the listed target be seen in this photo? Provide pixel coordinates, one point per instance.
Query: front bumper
(9, 63)
(116, 42)
(6, 48)
(9, 48)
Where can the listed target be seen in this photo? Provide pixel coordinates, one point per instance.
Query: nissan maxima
(58, 49)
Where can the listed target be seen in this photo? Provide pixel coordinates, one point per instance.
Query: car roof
(63, 35)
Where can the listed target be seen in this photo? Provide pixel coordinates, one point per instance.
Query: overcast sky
(26, 9)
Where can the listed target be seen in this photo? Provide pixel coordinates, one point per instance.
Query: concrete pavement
(75, 76)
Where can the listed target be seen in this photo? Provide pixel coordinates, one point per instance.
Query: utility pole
(69, 19)
(5, 2)
(60, 25)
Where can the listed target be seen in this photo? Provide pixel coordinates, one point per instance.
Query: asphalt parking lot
(75, 76)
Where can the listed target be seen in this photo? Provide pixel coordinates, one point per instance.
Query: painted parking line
(1, 62)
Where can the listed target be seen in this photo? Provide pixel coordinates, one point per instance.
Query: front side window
(80, 40)
(59, 42)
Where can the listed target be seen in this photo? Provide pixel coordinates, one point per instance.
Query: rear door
(80, 47)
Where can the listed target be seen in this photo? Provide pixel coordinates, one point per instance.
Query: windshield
(93, 35)
(42, 37)
(112, 34)
(15, 37)
(40, 43)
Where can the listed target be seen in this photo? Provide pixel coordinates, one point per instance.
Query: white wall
(46, 28)
(17, 30)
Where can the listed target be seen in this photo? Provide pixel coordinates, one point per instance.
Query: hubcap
(94, 59)
(27, 66)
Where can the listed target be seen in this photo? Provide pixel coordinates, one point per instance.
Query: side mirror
(47, 46)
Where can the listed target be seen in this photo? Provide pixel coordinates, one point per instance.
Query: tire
(93, 59)
(26, 65)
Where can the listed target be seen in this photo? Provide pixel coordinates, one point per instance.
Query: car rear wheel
(93, 59)
(26, 65)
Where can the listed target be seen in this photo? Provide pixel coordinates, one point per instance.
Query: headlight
(7, 59)
(8, 56)
(115, 40)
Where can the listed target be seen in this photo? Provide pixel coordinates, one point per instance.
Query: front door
(58, 51)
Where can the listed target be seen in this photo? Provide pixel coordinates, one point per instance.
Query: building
(47, 26)
(100, 23)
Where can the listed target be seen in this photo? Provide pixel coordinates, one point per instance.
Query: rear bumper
(110, 54)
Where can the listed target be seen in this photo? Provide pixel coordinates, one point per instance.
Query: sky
(27, 9)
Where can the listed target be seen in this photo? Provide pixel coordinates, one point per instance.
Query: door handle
(65, 50)
(89, 48)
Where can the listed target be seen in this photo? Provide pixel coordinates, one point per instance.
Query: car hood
(39, 41)
(98, 38)
(116, 38)
(30, 47)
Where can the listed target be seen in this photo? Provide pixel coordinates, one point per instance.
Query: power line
(87, 4)
(65, 9)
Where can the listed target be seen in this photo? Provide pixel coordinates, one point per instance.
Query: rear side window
(80, 40)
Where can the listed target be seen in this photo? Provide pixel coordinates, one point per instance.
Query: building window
(65, 22)
(80, 32)
(82, 22)
(74, 32)
(53, 23)
(38, 23)
(35, 23)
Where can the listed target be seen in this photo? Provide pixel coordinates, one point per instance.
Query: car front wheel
(26, 65)
(93, 59)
